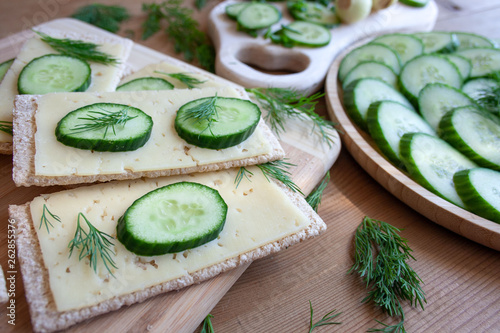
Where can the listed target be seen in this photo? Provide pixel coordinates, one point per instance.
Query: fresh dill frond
(326, 320)
(283, 103)
(190, 81)
(242, 173)
(76, 48)
(44, 221)
(107, 17)
(102, 119)
(6, 126)
(93, 244)
(397, 328)
(205, 111)
(314, 198)
(182, 28)
(380, 259)
(207, 326)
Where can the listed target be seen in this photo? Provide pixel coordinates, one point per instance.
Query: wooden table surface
(461, 278)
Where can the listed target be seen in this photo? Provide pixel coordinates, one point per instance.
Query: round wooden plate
(365, 152)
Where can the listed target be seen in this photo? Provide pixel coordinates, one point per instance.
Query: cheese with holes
(164, 150)
(259, 213)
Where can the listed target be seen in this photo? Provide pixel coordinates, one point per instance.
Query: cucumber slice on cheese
(146, 83)
(171, 219)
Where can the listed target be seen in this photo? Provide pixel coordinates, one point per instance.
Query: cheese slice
(259, 213)
(103, 77)
(165, 150)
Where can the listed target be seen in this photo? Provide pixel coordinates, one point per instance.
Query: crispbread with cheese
(263, 217)
(103, 77)
(39, 159)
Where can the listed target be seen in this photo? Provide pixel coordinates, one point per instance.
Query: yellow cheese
(259, 213)
(164, 150)
(104, 78)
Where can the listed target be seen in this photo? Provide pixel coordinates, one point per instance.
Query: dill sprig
(326, 320)
(190, 81)
(274, 169)
(45, 219)
(283, 103)
(76, 48)
(93, 244)
(182, 28)
(107, 17)
(314, 198)
(206, 326)
(380, 259)
(6, 126)
(102, 119)
(205, 111)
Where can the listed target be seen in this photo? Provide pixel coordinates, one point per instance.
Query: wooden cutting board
(175, 312)
(256, 62)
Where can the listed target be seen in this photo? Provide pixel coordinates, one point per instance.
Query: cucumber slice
(469, 40)
(307, 34)
(474, 133)
(371, 69)
(146, 83)
(463, 64)
(406, 46)
(105, 127)
(171, 219)
(233, 10)
(313, 12)
(436, 99)
(388, 121)
(54, 73)
(479, 189)
(438, 41)
(369, 52)
(361, 93)
(477, 88)
(415, 3)
(432, 162)
(258, 16)
(485, 61)
(4, 67)
(233, 122)
(425, 69)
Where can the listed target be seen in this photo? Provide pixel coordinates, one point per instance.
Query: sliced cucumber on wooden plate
(407, 46)
(485, 61)
(371, 69)
(438, 41)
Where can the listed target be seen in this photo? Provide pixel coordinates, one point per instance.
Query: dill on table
(324, 321)
(107, 17)
(314, 198)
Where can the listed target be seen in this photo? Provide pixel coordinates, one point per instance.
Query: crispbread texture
(46, 318)
(23, 172)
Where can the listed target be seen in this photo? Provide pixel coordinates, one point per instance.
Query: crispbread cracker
(44, 314)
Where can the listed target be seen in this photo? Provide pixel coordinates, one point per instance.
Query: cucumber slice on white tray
(54, 73)
(369, 52)
(233, 121)
(172, 218)
(438, 41)
(436, 99)
(258, 16)
(105, 127)
(313, 12)
(463, 64)
(146, 83)
(233, 10)
(372, 69)
(475, 133)
(469, 40)
(388, 121)
(479, 189)
(407, 46)
(425, 69)
(485, 61)
(307, 34)
(432, 162)
(361, 93)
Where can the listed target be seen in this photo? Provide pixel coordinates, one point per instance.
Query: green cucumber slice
(436, 99)
(233, 10)
(463, 64)
(146, 83)
(234, 121)
(307, 34)
(477, 88)
(474, 133)
(438, 41)
(105, 127)
(388, 121)
(371, 69)
(432, 162)
(258, 16)
(4, 67)
(361, 93)
(415, 3)
(313, 12)
(369, 52)
(54, 73)
(470, 40)
(406, 46)
(485, 61)
(479, 189)
(425, 69)
(171, 219)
